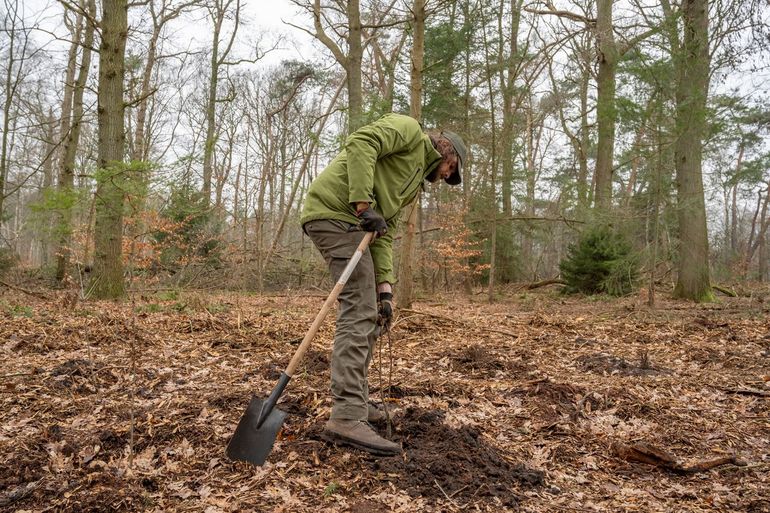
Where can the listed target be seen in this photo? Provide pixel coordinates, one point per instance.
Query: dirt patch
(480, 361)
(758, 506)
(82, 376)
(476, 359)
(553, 401)
(29, 466)
(314, 362)
(604, 363)
(367, 507)
(230, 401)
(399, 391)
(440, 461)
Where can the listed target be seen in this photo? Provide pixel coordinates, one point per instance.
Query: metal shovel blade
(251, 443)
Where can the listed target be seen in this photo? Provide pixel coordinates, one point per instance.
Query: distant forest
(613, 145)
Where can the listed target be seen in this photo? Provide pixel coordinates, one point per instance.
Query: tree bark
(492, 172)
(605, 104)
(218, 13)
(509, 106)
(350, 62)
(353, 68)
(66, 184)
(107, 281)
(693, 281)
(406, 270)
(583, 188)
(734, 206)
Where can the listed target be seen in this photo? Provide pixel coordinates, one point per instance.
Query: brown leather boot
(360, 435)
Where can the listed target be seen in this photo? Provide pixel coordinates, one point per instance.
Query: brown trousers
(356, 331)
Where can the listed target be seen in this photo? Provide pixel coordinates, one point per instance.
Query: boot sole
(338, 439)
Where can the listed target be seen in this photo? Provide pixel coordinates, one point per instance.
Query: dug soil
(456, 463)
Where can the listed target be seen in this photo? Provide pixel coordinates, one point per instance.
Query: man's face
(445, 169)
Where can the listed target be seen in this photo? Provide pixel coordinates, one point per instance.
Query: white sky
(263, 18)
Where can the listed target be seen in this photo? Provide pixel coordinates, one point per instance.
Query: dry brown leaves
(513, 406)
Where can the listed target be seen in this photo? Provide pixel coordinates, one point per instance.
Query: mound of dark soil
(440, 461)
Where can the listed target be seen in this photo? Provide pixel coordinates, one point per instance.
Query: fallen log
(543, 283)
(725, 290)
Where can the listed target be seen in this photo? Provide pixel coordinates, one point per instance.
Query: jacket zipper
(411, 180)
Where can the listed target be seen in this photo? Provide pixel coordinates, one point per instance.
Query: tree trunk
(353, 67)
(583, 188)
(734, 207)
(406, 270)
(141, 146)
(527, 246)
(66, 186)
(509, 107)
(48, 127)
(219, 12)
(107, 281)
(605, 104)
(693, 281)
(211, 109)
(493, 171)
(757, 238)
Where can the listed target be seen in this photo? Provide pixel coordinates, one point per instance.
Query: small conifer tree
(601, 262)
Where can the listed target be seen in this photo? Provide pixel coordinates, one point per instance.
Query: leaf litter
(518, 406)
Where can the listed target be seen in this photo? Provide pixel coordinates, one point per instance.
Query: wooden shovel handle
(328, 304)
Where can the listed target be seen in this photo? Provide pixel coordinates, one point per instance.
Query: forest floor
(536, 403)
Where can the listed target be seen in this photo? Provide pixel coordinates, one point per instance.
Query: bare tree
(74, 117)
(219, 12)
(17, 53)
(346, 31)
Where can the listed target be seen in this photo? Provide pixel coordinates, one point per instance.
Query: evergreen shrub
(601, 262)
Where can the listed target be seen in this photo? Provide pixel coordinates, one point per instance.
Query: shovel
(256, 432)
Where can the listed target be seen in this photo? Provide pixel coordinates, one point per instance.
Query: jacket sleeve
(382, 255)
(363, 148)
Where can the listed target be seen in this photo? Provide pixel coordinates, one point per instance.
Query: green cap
(459, 145)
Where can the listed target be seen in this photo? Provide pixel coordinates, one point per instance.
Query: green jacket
(383, 163)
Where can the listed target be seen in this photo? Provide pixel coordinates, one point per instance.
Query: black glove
(371, 221)
(385, 309)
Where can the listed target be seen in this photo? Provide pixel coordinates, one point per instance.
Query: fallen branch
(28, 292)
(747, 391)
(18, 493)
(642, 452)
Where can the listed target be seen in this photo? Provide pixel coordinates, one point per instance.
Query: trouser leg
(355, 332)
